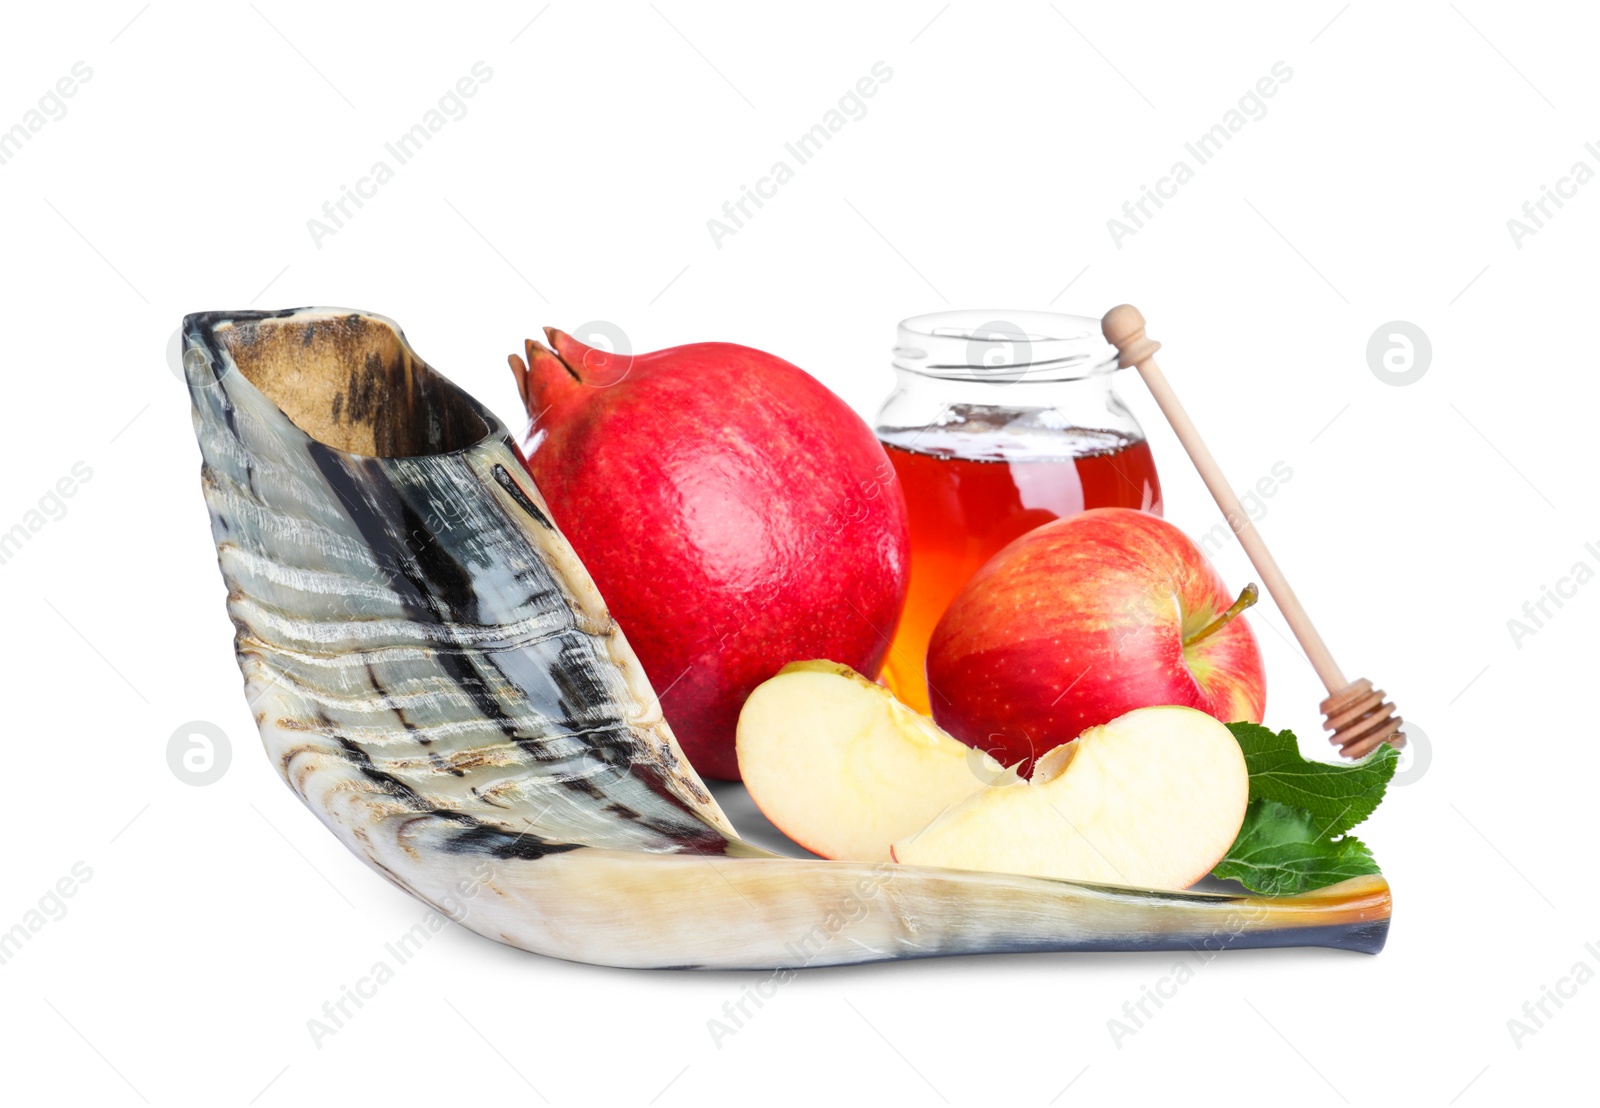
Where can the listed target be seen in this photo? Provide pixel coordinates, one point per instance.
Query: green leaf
(1294, 835)
(1281, 851)
(1336, 797)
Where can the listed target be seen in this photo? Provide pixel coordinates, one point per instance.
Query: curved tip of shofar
(435, 675)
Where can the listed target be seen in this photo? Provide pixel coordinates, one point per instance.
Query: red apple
(734, 513)
(1085, 619)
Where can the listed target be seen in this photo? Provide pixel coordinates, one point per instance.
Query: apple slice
(843, 768)
(1152, 799)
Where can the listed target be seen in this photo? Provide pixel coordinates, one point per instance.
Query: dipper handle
(1123, 327)
(1359, 723)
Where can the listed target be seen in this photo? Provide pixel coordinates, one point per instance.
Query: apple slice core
(1152, 799)
(843, 768)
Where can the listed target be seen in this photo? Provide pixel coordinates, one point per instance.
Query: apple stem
(1247, 596)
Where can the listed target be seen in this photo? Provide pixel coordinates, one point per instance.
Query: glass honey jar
(999, 421)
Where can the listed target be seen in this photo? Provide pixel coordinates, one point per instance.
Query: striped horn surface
(435, 676)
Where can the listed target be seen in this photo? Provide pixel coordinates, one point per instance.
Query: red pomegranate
(735, 515)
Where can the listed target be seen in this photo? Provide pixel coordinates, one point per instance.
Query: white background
(1419, 519)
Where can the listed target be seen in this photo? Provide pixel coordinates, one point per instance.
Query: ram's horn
(435, 675)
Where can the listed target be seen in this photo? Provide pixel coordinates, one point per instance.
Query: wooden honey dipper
(1354, 711)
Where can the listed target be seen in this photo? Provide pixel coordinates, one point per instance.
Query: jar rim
(1003, 345)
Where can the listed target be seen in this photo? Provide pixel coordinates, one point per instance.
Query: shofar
(435, 675)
